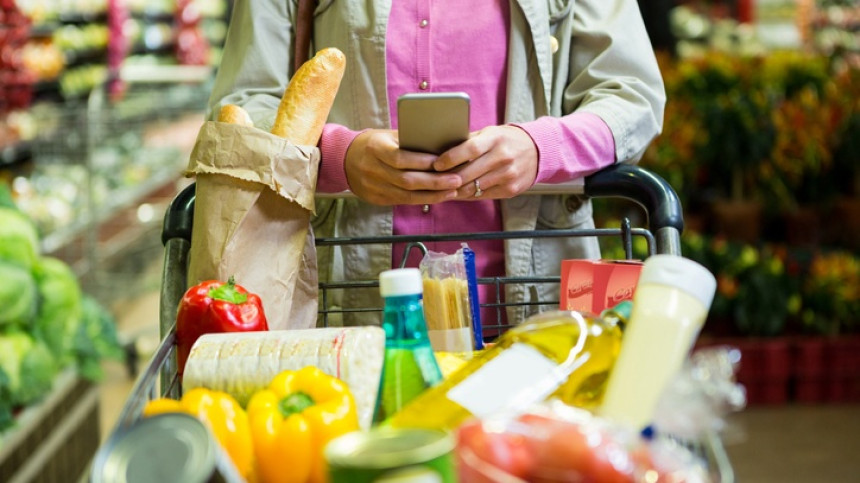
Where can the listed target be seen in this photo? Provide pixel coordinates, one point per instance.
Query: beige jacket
(604, 65)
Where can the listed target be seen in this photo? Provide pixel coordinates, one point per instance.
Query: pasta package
(450, 301)
(240, 363)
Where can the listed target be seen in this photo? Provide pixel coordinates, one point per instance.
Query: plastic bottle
(670, 304)
(410, 366)
(561, 354)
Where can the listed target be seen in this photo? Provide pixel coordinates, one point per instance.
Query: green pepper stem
(294, 403)
(228, 293)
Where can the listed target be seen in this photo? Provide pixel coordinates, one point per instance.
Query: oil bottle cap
(681, 273)
(401, 281)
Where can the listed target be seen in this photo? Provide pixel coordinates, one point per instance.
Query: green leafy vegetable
(95, 340)
(60, 310)
(19, 240)
(18, 299)
(29, 365)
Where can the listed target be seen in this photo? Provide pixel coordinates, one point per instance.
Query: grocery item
(293, 419)
(450, 306)
(226, 420)
(595, 285)
(308, 98)
(215, 306)
(233, 114)
(410, 366)
(389, 454)
(553, 442)
(178, 444)
(567, 355)
(670, 305)
(243, 363)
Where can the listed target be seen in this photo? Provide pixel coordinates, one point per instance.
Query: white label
(502, 380)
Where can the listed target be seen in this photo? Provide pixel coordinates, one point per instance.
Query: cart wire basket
(632, 183)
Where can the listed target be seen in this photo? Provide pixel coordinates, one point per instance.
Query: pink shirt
(569, 147)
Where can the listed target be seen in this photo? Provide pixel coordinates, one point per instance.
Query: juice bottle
(567, 355)
(409, 367)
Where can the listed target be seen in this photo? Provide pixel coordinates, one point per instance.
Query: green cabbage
(17, 295)
(19, 240)
(96, 340)
(29, 366)
(6, 418)
(60, 308)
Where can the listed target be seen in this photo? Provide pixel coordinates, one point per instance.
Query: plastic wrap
(554, 442)
(451, 301)
(697, 400)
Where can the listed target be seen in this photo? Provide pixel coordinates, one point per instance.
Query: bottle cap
(681, 273)
(401, 281)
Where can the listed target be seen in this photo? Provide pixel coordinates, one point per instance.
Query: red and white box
(594, 285)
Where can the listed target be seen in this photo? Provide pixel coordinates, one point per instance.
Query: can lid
(401, 281)
(386, 448)
(681, 273)
(165, 447)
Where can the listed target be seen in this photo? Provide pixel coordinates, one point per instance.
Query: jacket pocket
(563, 211)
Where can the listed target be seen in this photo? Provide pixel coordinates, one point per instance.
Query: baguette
(233, 114)
(308, 98)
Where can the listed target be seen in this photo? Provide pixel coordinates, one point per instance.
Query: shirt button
(426, 209)
(423, 85)
(423, 23)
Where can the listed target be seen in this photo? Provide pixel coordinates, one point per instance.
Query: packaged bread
(244, 362)
(309, 96)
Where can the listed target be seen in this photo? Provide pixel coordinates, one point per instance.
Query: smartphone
(432, 122)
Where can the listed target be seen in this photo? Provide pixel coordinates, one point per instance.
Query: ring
(478, 190)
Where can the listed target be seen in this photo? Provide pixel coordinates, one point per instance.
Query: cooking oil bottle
(409, 367)
(567, 355)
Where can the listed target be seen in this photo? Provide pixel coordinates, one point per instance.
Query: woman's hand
(380, 173)
(495, 162)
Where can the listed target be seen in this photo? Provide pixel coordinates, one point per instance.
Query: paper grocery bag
(254, 200)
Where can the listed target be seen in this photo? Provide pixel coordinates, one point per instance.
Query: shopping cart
(635, 184)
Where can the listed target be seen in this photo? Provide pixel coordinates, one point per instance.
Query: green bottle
(410, 366)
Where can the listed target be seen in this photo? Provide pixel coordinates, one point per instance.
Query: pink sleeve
(571, 146)
(334, 142)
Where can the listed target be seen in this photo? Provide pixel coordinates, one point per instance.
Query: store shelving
(64, 138)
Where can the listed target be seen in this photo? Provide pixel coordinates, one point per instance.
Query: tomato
(567, 452)
(505, 451)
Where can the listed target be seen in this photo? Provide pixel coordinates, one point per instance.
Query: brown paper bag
(254, 200)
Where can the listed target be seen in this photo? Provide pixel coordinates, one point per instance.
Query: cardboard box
(595, 285)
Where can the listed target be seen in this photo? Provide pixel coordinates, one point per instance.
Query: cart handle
(653, 193)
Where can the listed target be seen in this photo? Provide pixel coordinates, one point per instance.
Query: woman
(559, 89)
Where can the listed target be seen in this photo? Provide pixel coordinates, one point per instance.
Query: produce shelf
(55, 439)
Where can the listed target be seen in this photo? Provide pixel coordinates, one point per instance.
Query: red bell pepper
(215, 306)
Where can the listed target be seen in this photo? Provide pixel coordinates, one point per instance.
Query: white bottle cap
(681, 273)
(401, 281)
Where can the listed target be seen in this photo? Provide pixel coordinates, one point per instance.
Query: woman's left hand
(495, 162)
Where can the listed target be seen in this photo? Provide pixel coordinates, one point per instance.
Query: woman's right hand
(379, 172)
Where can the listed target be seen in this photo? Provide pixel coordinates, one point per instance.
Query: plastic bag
(451, 300)
(554, 442)
(697, 400)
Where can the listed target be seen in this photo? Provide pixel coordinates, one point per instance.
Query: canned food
(166, 447)
(392, 455)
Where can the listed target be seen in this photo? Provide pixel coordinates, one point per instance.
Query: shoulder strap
(304, 31)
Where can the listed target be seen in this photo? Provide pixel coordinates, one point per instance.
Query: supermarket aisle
(765, 444)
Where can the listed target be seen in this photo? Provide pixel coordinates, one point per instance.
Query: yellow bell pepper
(225, 418)
(292, 421)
